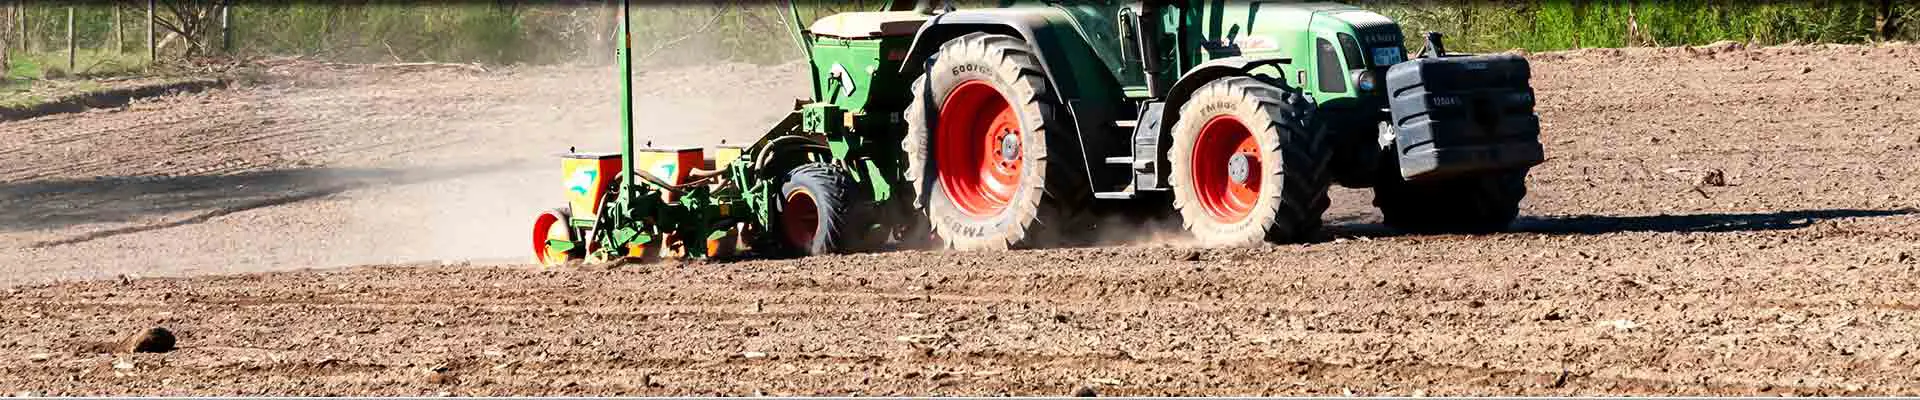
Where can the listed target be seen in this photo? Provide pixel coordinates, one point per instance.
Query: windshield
(1098, 21)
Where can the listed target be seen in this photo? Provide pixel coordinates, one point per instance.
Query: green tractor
(1023, 120)
(1022, 126)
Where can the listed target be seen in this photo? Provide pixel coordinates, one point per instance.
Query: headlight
(1364, 80)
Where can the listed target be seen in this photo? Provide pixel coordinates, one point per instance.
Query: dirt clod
(150, 340)
(1713, 177)
(441, 376)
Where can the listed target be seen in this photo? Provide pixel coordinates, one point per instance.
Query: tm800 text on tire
(1246, 167)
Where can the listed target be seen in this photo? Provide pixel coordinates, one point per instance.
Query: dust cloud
(514, 137)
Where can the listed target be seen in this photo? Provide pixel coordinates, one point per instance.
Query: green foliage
(16, 93)
(87, 63)
(542, 32)
(1568, 24)
(387, 30)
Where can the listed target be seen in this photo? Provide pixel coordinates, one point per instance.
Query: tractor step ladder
(1145, 154)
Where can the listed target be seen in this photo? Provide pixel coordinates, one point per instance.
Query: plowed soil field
(357, 231)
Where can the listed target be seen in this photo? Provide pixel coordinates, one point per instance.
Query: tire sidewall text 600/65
(980, 188)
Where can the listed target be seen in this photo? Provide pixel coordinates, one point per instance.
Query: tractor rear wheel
(818, 214)
(1469, 204)
(978, 155)
(1246, 168)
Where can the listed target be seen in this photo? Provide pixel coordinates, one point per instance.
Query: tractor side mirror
(1434, 45)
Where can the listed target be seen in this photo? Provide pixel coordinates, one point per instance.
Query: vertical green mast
(623, 55)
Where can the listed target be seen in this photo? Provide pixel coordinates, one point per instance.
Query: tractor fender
(1207, 72)
(1065, 57)
(1083, 86)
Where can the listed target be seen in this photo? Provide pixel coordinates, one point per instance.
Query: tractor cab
(1337, 51)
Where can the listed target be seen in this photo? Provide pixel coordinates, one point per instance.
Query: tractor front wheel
(1245, 166)
(978, 152)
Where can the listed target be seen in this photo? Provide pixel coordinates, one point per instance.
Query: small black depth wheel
(1470, 204)
(818, 214)
(1246, 168)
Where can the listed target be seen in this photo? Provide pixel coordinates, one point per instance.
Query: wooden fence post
(20, 14)
(70, 45)
(119, 31)
(6, 49)
(1886, 21)
(1633, 26)
(153, 53)
(226, 27)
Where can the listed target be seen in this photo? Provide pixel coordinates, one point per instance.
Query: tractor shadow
(1705, 223)
(1604, 224)
(158, 202)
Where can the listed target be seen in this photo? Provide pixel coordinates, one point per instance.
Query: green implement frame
(850, 124)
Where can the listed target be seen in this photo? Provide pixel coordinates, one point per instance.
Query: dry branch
(676, 41)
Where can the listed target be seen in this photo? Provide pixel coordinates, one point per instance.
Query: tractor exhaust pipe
(1146, 22)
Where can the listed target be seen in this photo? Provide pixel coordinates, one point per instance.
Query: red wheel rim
(799, 218)
(978, 147)
(1227, 169)
(543, 229)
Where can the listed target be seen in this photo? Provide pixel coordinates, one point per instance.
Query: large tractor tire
(1246, 166)
(1470, 204)
(818, 214)
(978, 154)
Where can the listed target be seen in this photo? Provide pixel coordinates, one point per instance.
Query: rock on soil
(150, 340)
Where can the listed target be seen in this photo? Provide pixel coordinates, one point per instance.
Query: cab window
(1352, 48)
(1333, 78)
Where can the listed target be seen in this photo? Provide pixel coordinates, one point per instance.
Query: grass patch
(87, 64)
(27, 93)
(35, 78)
